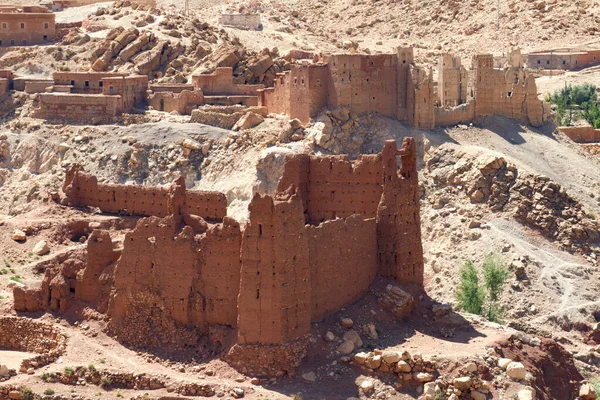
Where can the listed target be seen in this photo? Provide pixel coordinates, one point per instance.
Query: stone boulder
(249, 120)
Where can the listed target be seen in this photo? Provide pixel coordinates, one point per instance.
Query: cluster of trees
(482, 299)
(575, 102)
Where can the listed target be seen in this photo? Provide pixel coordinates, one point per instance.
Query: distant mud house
(26, 26)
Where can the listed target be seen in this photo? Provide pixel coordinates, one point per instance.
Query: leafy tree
(570, 99)
(469, 294)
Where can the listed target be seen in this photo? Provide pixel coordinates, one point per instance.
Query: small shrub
(92, 368)
(119, 394)
(27, 394)
(48, 392)
(3, 271)
(16, 278)
(102, 361)
(45, 376)
(69, 371)
(105, 382)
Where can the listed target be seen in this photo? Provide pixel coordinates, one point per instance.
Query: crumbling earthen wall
(400, 250)
(27, 26)
(420, 99)
(453, 80)
(581, 134)
(84, 190)
(509, 92)
(274, 300)
(178, 276)
(365, 83)
(462, 114)
(343, 261)
(182, 102)
(220, 83)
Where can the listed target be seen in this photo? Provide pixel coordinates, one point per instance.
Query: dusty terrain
(553, 288)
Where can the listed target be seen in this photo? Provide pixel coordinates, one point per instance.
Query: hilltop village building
(26, 26)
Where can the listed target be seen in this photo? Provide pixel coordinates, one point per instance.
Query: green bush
(469, 294)
(482, 299)
(69, 371)
(27, 394)
(48, 392)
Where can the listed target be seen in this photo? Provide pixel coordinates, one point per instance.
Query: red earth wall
(84, 190)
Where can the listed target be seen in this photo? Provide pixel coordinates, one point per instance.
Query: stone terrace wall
(84, 190)
(581, 134)
(23, 334)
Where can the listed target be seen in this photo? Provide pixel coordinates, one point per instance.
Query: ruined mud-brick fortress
(392, 85)
(188, 272)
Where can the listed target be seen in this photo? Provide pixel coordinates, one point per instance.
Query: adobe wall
(132, 90)
(452, 81)
(581, 134)
(77, 107)
(83, 82)
(220, 82)
(84, 190)
(251, 21)
(343, 262)
(400, 250)
(365, 83)
(420, 99)
(26, 28)
(172, 101)
(38, 86)
(462, 114)
(405, 60)
(274, 300)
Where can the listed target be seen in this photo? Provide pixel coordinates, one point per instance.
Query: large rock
(587, 392)
(19, 236)
(309, 377)
(354, 337)
(527, 394)
(373, 361)
(134, 47)
(261, 66)
(347, 347)
(124, 39)
(516, 370)
(249, 120)
(3, 370)
(225, 56)
(463, 383)
(41, 248)
(399, 302)
(148, 61)
(390, 356)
